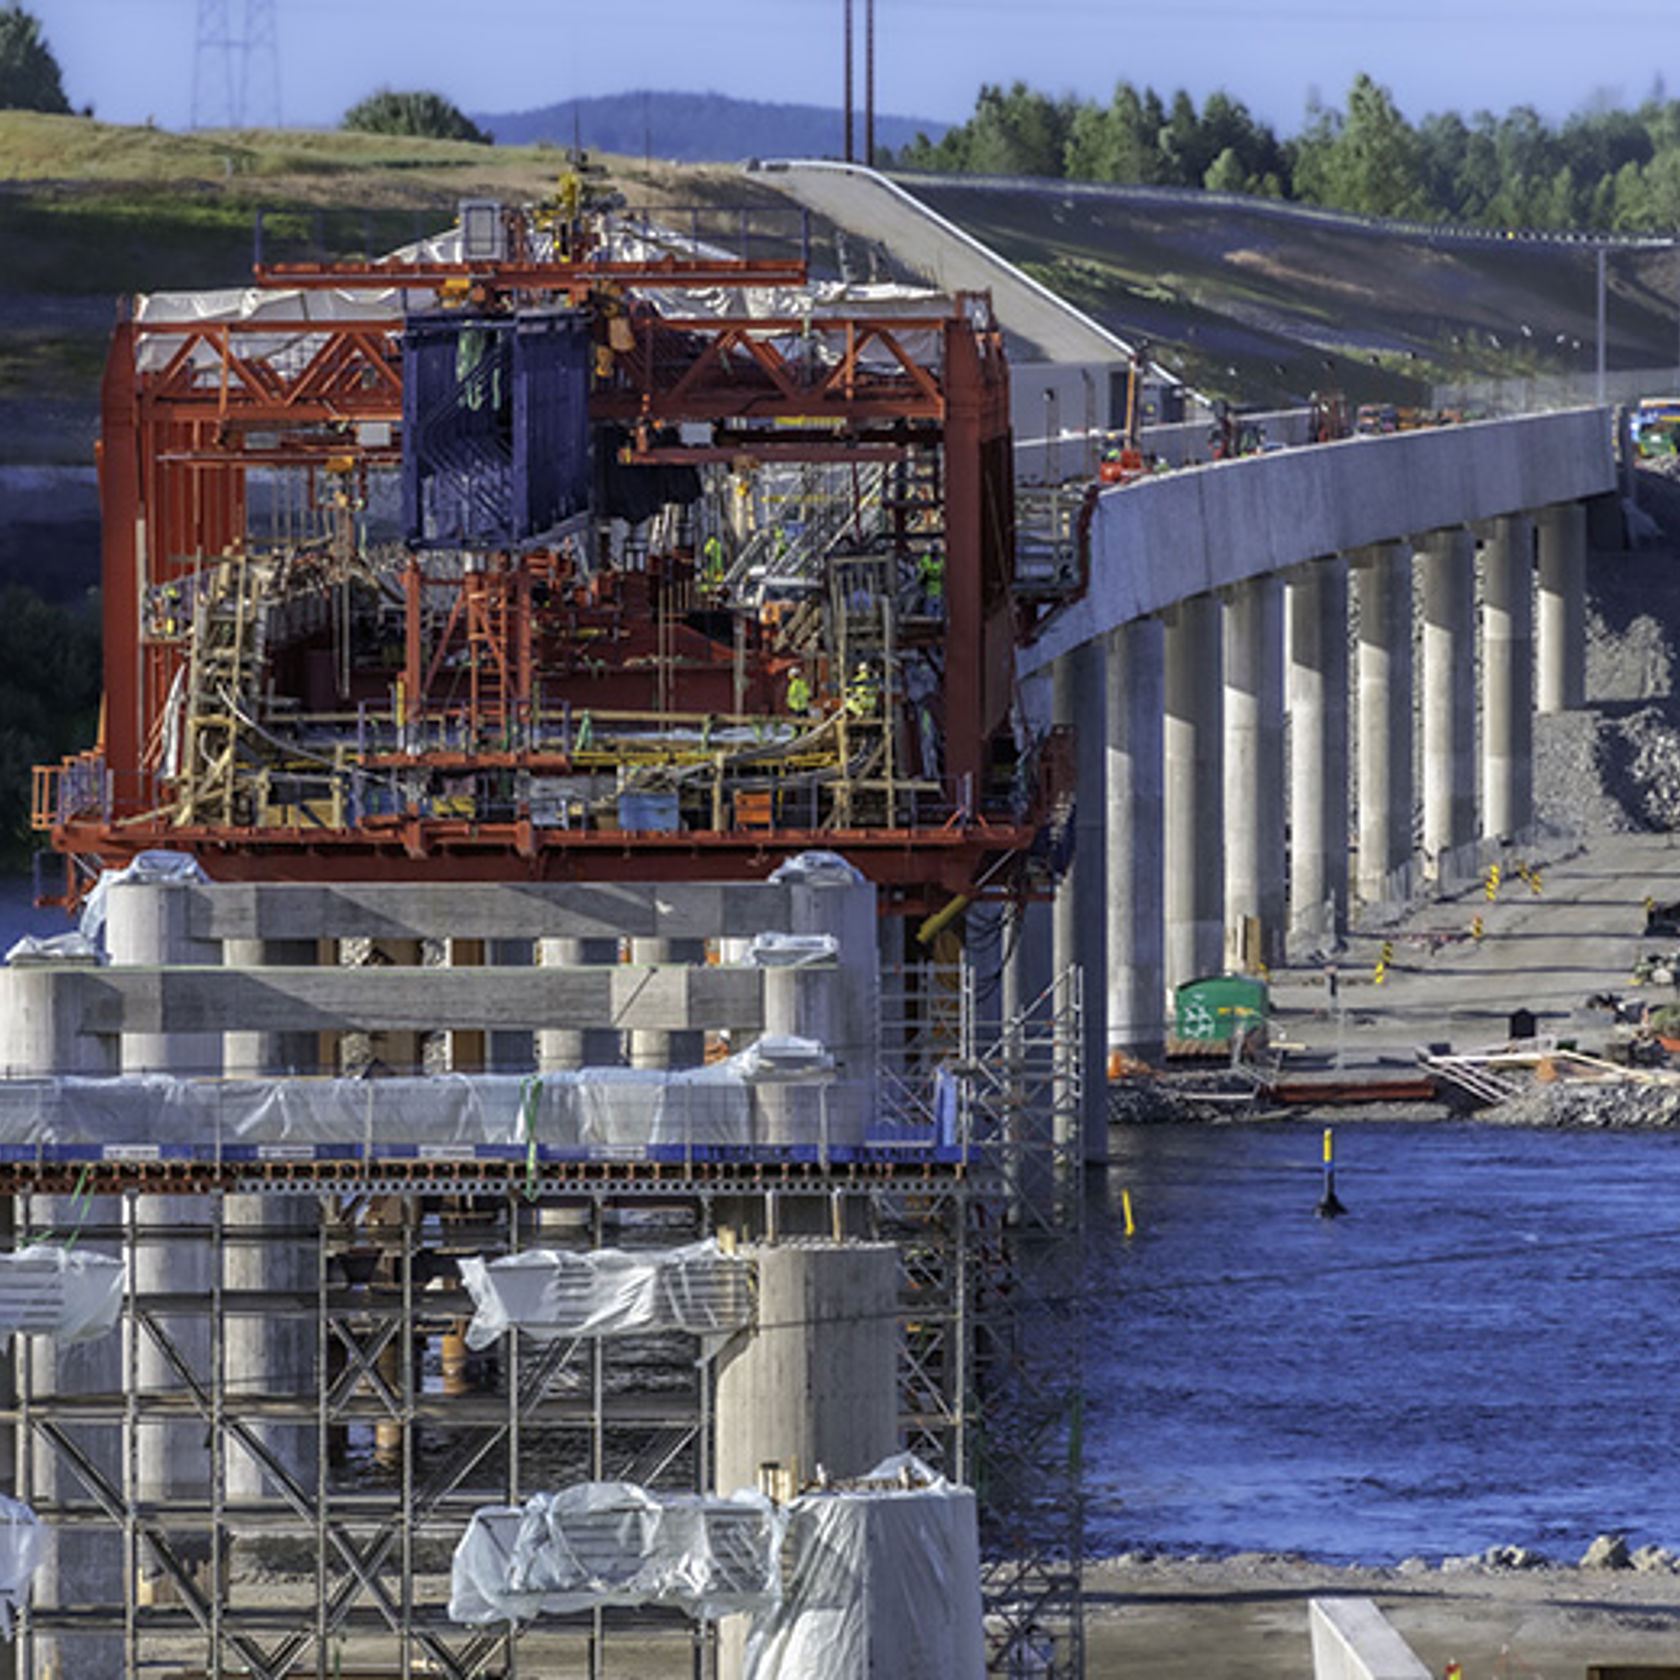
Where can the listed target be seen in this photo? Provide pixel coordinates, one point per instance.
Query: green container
(1220, 1006)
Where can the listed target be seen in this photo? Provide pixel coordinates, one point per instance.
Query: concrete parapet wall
(1194, 532)
(1353, 1640)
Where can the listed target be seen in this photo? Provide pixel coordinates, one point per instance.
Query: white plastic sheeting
(876, 1582)
(70, 1294)
(291, 312)
(608, 1109)
(818, 869)
(146, 866)
(780, 1056)
(882, 1584)
(549, 1294)
(611, 1543)
(792, 950)
(23, 1539)
(73, 946)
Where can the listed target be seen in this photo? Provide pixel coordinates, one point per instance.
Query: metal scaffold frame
(304, 1527)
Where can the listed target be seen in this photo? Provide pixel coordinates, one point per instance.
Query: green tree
(428, 116)
(29, 75)
(1226, 173)
(1631, 204)
(1120, 141)
(1443, 147)
(1018, 133)
(49, 700)
(1374, 164)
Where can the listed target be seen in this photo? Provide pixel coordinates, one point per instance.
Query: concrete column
(1317, 607)
(1562, 625)
(1027, 968)
(83, 1563)
(1255, 845)
(1194, 824)
(1384, 573)
(816, 1381)
(1027, 1016)
(846, 912)
(1079, 685)
(268, 1351)
(41, 1027)
(1136, 921)
(148, 927)
(559, 1048)
(1507, 677)
(1449, 694)
(258, 1055)
(667, 1049)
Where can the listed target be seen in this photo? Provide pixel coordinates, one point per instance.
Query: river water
(1482, 1352)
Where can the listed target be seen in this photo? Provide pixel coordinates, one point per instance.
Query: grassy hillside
(1268, 303)
(89, 207)
(91, 211)
(1250, 300)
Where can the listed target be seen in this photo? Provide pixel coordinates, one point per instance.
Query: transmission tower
(236, 65)
(262, 65)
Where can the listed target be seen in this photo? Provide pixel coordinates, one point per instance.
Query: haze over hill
(698, 127)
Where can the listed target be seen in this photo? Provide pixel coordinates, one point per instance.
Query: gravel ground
(1246, 1617)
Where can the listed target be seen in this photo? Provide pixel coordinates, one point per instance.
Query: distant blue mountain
(698, 127)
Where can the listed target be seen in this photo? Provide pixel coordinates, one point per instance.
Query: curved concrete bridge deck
(1305, 678)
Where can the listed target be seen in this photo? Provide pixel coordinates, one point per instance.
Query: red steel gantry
(618, 698)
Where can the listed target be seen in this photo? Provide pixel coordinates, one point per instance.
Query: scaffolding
(303, 1525)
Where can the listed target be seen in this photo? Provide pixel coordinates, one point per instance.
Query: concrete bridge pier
(1449, 695)
(82, 1564)
(1255, 841)
(148, 926)
(560, 1048)
(667, 1049)
(1507, 676)
(1136, 922)
(1384, 571)
(1317, 678)
(1079, 700)
(270, 1248)
(1193, 751)
(1561, 630)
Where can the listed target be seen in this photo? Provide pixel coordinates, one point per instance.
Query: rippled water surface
(1486, 1350)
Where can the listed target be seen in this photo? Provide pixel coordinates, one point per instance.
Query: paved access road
(1548, 951)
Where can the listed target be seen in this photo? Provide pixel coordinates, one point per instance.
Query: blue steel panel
(495, 427)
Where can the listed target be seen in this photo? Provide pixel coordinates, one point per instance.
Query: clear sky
(134, 59)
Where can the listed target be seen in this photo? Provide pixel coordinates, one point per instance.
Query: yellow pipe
(941, 919)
